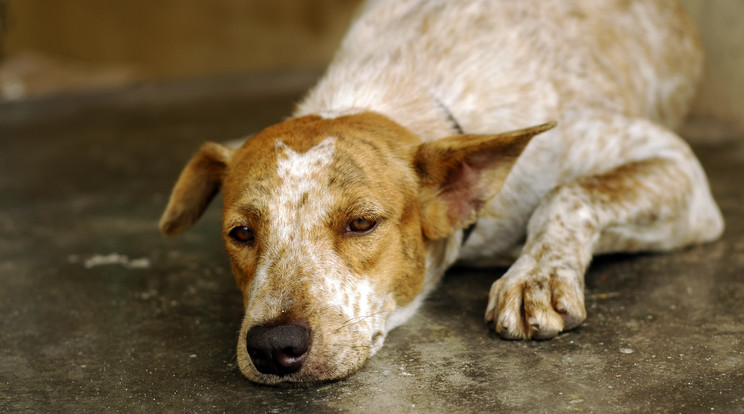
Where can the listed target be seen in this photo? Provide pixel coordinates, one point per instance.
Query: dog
(538, 132)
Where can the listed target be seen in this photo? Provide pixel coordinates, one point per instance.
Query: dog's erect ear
(461, 173)
(197, 185)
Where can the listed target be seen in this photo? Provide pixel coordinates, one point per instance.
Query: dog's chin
(299, 379)
(308, 375)
(319, 368)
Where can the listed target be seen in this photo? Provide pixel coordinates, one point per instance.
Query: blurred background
(60, 47)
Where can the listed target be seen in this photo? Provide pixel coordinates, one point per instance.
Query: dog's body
(340, 220)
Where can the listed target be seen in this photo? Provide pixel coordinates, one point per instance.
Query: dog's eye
(242, 234)
(361, 226)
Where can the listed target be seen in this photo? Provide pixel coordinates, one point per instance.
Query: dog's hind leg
(657, 202)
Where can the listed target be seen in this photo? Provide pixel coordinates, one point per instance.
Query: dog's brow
(362, 207)
(250, 210)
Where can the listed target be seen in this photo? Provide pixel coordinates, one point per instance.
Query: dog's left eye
(361, 226)
(242, 234)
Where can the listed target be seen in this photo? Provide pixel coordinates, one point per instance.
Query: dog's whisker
(359, 319)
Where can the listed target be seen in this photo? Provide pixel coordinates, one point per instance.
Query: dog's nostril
(278, 350)
(294, 351)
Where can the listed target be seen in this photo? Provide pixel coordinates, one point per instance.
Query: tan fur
(350, 212)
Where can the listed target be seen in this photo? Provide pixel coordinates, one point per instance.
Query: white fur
(529, 62)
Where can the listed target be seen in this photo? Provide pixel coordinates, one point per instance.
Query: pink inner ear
(482, 159)
(461, 194)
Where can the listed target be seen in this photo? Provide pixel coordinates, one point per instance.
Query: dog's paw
(536, 300)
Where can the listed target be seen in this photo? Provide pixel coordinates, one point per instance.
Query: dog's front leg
(644, 205)
(542, 292)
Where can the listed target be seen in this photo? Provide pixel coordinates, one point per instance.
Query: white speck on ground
(115, 259)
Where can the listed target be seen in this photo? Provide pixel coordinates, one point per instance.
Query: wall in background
(56, 46)
(176, 39)
(51, 46)
(721, 93)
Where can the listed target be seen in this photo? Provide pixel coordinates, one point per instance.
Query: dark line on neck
(451, 117)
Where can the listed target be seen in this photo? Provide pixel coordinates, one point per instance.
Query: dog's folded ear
(197, 185)
(461, 173)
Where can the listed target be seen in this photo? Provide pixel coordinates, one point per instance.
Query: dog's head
(329, 224)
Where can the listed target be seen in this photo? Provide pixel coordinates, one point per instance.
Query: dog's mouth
(298, 353)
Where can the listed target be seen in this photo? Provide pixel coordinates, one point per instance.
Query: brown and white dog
(340, 220)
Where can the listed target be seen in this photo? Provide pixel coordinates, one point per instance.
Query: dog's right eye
(242, 234)
(361, 226)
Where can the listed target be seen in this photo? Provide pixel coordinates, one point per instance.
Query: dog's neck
(415, 107)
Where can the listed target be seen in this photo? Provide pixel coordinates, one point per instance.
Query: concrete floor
(100, 313)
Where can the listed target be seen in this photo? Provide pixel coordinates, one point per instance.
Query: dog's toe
(504, 310)
(572, 311)
(493, 296)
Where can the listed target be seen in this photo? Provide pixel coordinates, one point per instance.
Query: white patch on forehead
(301, 175)
(293, 165)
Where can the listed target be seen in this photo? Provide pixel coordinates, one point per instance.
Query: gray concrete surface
(100, 313)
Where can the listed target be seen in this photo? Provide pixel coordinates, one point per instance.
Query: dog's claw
(488, 317)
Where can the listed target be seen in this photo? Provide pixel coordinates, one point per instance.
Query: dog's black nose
(278, 350)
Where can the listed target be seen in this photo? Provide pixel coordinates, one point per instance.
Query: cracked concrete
(101, 313)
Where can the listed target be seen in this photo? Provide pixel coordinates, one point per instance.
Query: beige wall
(166, 39)
(176, 38)
(721, 25)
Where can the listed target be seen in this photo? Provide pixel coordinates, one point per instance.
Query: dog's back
(520, 62)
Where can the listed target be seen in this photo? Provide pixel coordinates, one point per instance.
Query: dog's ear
(197, 185)
(461, 173)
